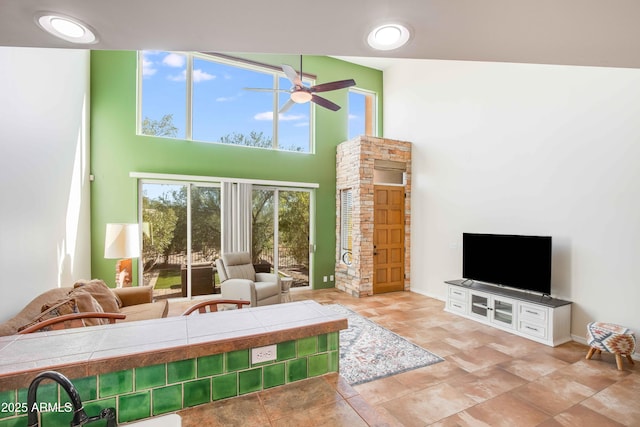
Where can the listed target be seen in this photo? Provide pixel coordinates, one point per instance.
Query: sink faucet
(80, 417)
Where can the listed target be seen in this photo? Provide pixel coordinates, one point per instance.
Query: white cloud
(178, 77)
(201, 76)
(268, 115)
(301, 125)
(353, 117)
(148, 68)
(225, 98)
(174, 60)
(198, 76)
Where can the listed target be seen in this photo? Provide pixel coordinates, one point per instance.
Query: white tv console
(539, 318)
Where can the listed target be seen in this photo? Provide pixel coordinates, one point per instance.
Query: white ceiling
(569, 32)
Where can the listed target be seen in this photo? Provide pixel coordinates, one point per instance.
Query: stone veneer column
(354, 170)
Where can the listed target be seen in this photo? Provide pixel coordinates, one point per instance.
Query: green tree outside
(163, 127)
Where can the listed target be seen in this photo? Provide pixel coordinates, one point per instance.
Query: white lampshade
(122, 241)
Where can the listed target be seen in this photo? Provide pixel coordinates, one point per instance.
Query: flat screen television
(521, 262)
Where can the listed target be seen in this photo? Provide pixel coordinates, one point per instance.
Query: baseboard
(426, 294)
(582, 340)
(579, 339)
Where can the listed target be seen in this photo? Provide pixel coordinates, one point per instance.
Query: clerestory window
(202, 97)
(362, 113)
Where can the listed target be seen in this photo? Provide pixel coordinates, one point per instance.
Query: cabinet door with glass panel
(503, 313)
(495, 309)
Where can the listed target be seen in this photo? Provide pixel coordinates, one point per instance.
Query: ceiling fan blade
(286, 106)
(325, 103)
(325, 87)
(291, 74)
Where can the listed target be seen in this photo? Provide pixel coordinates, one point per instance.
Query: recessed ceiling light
(388, 37)
(66, 27)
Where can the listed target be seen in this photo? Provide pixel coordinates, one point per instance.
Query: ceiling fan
(300, 94)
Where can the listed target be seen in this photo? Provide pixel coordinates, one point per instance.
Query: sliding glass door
(182, 234)
(281, 232)
(181, 238)
(293, 235)
(204, 236)
(263, 228)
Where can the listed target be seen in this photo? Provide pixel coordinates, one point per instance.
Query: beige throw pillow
(100, 291)
(88, 304)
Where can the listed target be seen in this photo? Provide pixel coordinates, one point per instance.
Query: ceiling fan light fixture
(388, 36)
(66, 28)
(300, 97)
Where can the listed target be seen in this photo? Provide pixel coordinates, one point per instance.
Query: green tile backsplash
(297, 369)
(322, 343)
(7, 402)
(210, 365)
(87, 387)
(224, 386)
(250, 380)
(286, 350)
(318, 364)
(115, 383)
(307, 346)
(134, 406)
(181, 370)
(237, 360)
(197, 392)
(167, 399)
(151, 376)
(167, 387)
(14, 422)
(273, 375)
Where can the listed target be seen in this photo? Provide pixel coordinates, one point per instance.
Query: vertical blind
(236, 219)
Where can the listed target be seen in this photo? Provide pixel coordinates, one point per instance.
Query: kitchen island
(154, 367)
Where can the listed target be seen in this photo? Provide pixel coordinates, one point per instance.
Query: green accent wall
(116, 151)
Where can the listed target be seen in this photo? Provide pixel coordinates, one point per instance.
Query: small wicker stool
(612, 338)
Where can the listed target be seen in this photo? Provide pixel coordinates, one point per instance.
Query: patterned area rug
(369, 352)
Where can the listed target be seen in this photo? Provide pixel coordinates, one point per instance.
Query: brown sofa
(136, 303)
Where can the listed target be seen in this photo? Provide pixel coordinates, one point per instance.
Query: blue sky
(221, 106)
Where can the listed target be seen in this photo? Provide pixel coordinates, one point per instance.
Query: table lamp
(122, 241)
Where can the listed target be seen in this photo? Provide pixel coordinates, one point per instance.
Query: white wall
(525, 149)
(44, 216)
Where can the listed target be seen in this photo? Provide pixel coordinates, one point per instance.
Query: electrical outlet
(264, 354)
(324, 279)
(331, 278)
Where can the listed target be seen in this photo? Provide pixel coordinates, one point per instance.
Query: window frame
(346, 226)
(373, 115)
(275, 72)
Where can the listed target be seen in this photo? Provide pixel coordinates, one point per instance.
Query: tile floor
(489, 378)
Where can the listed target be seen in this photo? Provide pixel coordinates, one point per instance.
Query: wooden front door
(388, 239)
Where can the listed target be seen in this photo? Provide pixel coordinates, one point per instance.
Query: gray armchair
(239, 280)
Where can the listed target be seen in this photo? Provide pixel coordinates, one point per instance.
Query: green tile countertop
(103, 349)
